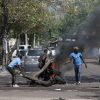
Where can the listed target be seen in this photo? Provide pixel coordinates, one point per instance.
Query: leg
(13, 79)
(79, 73)
(11, 71)
(76, 73)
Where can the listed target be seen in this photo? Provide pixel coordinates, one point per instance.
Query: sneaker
(15, 85)
(79, 83)
(21, 74)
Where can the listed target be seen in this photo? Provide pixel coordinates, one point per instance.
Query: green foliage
(25, 16)
(32, 16)
(76, 14)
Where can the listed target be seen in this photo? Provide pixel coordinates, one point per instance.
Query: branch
(35, 76)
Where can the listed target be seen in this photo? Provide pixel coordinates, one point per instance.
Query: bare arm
(19, 67)
(68, 61)
(83, 61)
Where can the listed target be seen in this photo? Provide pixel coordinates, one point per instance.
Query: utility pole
(3, 32)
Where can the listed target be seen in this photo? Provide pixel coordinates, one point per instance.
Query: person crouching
(15, 63)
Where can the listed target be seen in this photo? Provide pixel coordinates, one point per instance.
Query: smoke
(62, 55)
(94, 23)
(89, 32)
(88, 36)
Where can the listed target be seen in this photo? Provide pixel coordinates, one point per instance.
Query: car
(31, 58)
(22, 52)
(22, 49)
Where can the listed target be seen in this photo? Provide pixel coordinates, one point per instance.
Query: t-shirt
(76, 58)
(16, 61)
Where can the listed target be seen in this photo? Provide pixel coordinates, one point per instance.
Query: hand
(85, 66)
(17, 71)
(67, 62)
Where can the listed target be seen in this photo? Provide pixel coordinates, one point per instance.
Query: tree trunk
(38, 42)
(34, 40)
(4, 29)
(26, 40)
(17, 42)
(36, 75)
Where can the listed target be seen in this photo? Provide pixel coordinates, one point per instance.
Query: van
(24, 47)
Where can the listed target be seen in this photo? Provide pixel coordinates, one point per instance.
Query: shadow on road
(91, 79)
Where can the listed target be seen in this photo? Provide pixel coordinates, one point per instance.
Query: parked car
(22, 49)
(23, 52)
(31, 58)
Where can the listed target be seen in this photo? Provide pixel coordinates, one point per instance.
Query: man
(15, 63)
(42, 58)
(77, 59)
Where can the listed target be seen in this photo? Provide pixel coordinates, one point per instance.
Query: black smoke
(89, 31)
(87, 37)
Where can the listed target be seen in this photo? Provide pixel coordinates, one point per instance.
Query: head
(45, 50)
(76, 49)
(19, 55)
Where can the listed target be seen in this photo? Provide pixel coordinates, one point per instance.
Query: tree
(26, 17)
(3, 33)
(76, 14)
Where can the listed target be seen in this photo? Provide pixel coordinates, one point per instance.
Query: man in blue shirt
(15, 63)
(77, 59)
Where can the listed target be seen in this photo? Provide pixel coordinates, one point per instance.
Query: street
(52, 38)
(88, 90)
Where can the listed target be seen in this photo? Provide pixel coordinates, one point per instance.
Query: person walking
(77, 59)
(15, 63)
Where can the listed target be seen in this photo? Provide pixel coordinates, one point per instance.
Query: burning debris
(55, 76)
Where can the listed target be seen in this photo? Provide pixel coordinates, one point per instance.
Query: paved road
(88, 90)
(51, 93)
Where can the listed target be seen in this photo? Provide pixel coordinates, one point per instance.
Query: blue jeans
(78, 72)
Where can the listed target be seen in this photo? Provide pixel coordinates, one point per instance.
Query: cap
(76, 48)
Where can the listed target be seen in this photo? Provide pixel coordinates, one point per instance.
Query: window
(21, 47)
(29, 47)
(35, 52)
(23, 53)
